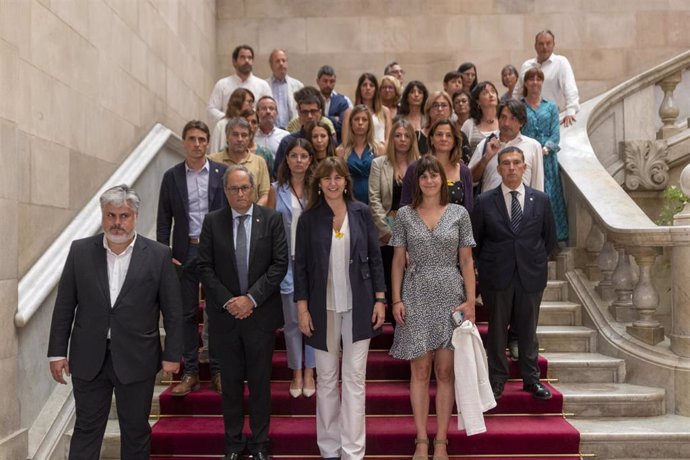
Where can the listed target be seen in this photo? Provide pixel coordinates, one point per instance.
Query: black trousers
(523, 307)
(188, 275)
(93, 399)
(244, 353)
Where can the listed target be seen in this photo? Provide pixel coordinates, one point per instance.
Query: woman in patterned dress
(543, 125)
(439, 280)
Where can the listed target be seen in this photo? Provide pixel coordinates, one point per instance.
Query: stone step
(560, 313)
(556, 290)
(567, 339)
(585, 368)
(611, 400)
(662, 437)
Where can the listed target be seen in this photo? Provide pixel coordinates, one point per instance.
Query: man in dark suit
(112, 290)
(189, 191)
(243, 257)
(515, 232)
(336, 104)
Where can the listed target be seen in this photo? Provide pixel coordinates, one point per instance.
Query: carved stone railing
(612, 147)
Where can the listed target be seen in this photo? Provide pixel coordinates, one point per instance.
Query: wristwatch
(382, 300)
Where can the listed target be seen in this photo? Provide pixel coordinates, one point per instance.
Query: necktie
(515, 212)
(241, 254)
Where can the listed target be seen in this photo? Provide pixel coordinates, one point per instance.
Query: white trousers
(340, 426)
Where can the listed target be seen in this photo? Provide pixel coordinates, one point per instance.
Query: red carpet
(519, 428)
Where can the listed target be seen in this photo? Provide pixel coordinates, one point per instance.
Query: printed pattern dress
(543, 125)
(433, 285)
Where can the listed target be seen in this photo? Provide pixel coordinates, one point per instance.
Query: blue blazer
(173, 205)
(312, 254)
(284, 207)
(500, 252)
(336, 113)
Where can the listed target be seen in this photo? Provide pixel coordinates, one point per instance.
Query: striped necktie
(515, 212)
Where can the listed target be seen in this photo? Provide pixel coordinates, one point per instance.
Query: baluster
(645, 298)
(623, 282)
(593, 244)
(668, 111)
(607, 263)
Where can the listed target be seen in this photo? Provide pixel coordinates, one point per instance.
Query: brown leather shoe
(189, 383)
(215, 383)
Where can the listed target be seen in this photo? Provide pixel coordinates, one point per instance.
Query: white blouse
(338, 292)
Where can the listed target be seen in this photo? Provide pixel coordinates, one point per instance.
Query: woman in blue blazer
(339, 290)
(290, 190)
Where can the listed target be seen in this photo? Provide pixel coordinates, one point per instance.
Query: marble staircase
(617, 420)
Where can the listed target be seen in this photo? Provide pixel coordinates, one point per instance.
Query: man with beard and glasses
(268, 135)
(243, 62)
(113, 288)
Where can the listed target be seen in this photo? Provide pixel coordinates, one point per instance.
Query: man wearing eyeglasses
(243, 257)
(237, 153)
(309, 109)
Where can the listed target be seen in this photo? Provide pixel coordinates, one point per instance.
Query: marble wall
(606, 41)
(81, 82)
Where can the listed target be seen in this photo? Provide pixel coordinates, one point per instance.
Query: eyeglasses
(297, 157)
(440, 105)
(312, 112)
(387, 88)
(236, 190)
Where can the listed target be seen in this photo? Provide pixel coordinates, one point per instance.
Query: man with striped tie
(515, 231)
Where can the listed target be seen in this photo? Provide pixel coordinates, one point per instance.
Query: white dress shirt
(271, 140)
(559, 83)
(220, 95)
(534, 173)
(508, 197)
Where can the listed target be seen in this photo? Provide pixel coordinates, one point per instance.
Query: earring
(345, 192)
(319, 191)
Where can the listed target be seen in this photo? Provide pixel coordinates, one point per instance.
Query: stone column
(668, 111)
(623, 282)
(645, 298)
(680, 266)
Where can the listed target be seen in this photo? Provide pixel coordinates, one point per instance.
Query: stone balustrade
(606, 154)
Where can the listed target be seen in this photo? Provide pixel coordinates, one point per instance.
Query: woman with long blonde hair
(359, 148)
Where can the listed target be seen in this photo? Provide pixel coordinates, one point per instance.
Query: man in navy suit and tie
(515, 233)
(243, 257)
(189, 191)
(112, 291)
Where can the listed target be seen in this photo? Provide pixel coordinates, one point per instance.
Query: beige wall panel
(49, 174)
(8, 299)
(9, 81)
(9, 177)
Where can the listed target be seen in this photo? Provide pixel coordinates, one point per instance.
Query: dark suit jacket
(268, 260)
(336, 113)
(500, 252)
(312, 254)
(83, 298)
(173, 205)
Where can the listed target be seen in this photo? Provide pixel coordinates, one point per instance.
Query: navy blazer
(312, 254)
(83, 315)
(500, 252)
(173, 205)
(336, 113)
(268, 260)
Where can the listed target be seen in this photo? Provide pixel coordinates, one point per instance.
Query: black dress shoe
(538, 390)
(233, 456)
(261, 456)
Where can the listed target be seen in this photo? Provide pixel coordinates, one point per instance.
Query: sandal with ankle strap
(440, 457)
(421, 457)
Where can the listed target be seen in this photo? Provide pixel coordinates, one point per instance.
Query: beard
(244, 69)
(118, 238)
